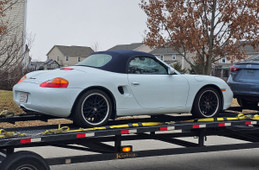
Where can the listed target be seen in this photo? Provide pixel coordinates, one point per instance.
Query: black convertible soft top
(120, 59)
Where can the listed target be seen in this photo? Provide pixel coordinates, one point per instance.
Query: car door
(153, 87)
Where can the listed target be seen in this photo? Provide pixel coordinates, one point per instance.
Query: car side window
(145, 65)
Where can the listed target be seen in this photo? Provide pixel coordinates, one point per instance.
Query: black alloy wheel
(207, 103)
(93, 109)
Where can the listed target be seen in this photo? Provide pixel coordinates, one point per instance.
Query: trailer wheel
(94, 108)
(24, 160)
(207, 103)
(2, 155)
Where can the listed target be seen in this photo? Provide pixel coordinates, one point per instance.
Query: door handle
(135, 83)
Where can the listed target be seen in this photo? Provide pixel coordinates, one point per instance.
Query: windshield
(96, 60)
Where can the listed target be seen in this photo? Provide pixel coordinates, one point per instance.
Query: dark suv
(244, 81)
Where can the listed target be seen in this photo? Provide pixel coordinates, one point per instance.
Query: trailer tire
(2, 155)
(24, 160)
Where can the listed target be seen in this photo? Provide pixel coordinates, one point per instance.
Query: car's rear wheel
(245, 103)
(207, 103)
(93, 108)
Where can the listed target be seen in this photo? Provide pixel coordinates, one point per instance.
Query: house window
(162, 57)
(57, 58)
(78, 59)
(173, 57)
(66, 58)
(223, 60)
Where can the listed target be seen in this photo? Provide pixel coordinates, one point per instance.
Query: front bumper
(51, 101)
(228, 98)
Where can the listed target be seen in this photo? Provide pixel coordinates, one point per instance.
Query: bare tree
(209, 29)
(95, 46)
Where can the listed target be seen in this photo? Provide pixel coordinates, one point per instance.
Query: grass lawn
(6, 102)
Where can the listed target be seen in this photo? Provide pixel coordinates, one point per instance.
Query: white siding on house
(63, 60)
(56, 55)
(15, 17)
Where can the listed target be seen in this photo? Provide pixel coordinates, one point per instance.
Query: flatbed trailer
(162, 128)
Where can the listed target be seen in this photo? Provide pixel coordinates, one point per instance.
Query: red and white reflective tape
(30, 140)
(251, 122)
(224, 124)
(128, 131)
(167, 128)
(84, 135)
(170, 129)
(198, 126)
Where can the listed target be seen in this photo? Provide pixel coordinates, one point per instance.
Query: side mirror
(170, 71)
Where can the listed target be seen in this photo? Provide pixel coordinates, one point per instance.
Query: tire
(2, 155)
(93, 109)
(245, 103)
(207, 103)
(24, 160)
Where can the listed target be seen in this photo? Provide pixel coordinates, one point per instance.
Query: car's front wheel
(207, 103)
(93, 109)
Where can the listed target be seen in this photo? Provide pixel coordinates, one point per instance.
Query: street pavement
(230, 160)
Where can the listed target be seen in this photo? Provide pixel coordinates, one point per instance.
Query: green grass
(7, 103)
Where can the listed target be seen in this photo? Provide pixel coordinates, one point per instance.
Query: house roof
(73, 51)
(132, 46)
(250, 50)
(163, 51)
(50, 61)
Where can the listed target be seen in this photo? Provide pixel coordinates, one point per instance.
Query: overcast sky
(83, 23)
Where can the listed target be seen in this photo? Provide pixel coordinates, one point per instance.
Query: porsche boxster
(120, 83)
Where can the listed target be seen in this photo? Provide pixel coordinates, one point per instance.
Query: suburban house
(47, 65)
(50, 64)
(36, 65)
(221, 68)
(166, 54)
(133, 46)
(15, 17)
(170, 56)
(68, 55)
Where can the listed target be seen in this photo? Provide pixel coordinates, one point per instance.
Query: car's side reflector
(23, 78)
(55, 83)
(223, 90)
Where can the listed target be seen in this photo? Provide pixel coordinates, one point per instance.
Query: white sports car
(120, 83)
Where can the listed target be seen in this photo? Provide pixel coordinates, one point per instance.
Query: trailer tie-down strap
(240, 116)
(6, 134)
(66, 129)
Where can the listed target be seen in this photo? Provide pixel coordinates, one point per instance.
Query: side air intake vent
(120, 88)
